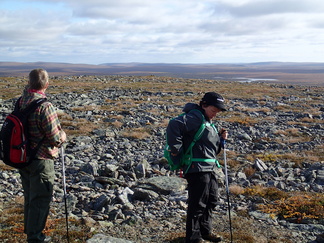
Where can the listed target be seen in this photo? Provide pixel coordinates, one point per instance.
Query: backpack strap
(17, 104)
(31, 107)
(207, 160)
(27, 111)
(197, 136)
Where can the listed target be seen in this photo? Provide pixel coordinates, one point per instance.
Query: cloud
(249, 8)
(161, 30)
(29, 25)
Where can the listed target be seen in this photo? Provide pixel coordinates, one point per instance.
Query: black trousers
(202, 199)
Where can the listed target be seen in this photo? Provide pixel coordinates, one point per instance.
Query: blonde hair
(38, 78)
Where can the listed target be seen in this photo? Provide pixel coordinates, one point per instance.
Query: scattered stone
(100, 238)
(116, 180)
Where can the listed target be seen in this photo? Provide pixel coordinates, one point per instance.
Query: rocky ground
(119, 184)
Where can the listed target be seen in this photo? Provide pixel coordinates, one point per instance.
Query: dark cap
(212, 98)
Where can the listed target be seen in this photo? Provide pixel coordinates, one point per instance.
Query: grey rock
(101, 238)
(164, 184)
(144, 195)
(244, 136)
(260, 165)
(91, 168)
(140, 169)
(124, 196)
(110, 168)
(99, 202)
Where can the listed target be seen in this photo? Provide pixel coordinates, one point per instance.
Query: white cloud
(29, 25)
(161, 30)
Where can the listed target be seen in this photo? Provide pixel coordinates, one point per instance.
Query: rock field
(120, 186)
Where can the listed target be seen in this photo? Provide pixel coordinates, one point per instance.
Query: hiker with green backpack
(193, 143)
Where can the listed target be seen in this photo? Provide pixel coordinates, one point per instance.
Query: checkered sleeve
(51, 124)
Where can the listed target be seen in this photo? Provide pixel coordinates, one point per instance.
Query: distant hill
(310, 74)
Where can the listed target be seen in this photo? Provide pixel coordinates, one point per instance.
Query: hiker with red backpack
(199, 169)
(44, 131)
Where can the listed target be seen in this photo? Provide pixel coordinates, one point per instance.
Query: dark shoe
(212, 238)
(47, 239)
(198, 241)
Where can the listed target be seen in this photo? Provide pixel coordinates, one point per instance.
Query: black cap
(212, 98)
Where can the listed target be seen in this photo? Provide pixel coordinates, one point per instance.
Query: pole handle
(223, 142)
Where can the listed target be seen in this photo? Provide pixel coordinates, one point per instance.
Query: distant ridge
(310, 74)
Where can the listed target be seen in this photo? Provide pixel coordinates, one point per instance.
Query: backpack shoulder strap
(34, 104)
(31, 107)
(196, 138)
(198, 134)
(17, 104)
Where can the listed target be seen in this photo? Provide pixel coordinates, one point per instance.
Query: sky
(161, 31)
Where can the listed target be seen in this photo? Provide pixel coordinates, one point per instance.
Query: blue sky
(161, 31)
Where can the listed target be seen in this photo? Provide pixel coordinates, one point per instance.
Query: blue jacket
(180, 133)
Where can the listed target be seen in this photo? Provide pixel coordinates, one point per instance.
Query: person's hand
(63, 136)
(224, 133)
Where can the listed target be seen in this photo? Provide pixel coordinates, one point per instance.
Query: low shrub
(270, 193)
(298, 205)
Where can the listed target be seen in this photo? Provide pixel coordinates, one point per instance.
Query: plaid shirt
(43, 123)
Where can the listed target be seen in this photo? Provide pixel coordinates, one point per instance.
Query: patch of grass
(80, 126)
(242, 236)
(136, 133)
(270, 193)
(11, 87)
(236, 189)
(231, 157)
(78, 232)
(261, 108)
(241, 119)
(117, 124)
(309, 156)
(289, 132)
(298, 205)
(315, 155)
(268, 157)
(12, 227)
(249, 171)
(4, 167)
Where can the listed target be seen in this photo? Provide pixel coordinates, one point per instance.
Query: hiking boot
(212, 238)
(198, 241)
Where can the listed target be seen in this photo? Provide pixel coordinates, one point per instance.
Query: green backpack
(186, 157)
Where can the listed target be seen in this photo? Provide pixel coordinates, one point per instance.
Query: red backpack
(14, 143)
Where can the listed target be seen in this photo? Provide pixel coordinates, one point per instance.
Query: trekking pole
(64, 190)
(227, 191)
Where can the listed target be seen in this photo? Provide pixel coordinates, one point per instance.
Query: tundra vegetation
(277, 203)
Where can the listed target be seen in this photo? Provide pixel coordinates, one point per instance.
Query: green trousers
(37, 181)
